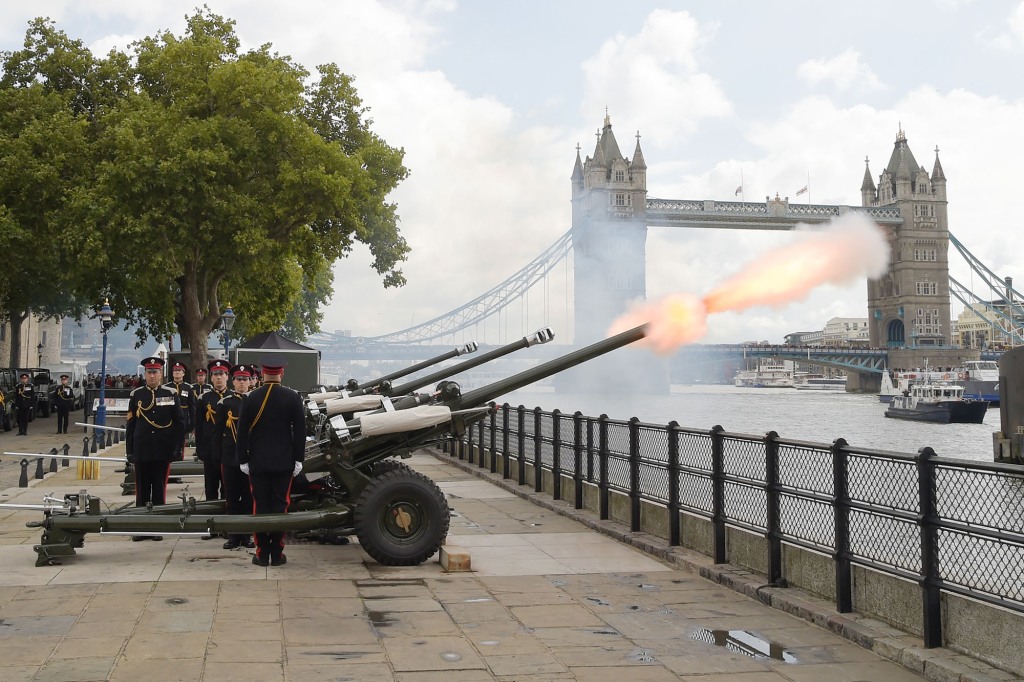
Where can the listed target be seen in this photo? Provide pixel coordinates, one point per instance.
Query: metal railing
(946, 524)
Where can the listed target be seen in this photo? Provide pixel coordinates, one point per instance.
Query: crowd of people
(250, 437)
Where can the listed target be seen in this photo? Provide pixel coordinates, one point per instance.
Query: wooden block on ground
(454, 559)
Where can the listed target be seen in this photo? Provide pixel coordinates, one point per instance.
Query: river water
(818, 416)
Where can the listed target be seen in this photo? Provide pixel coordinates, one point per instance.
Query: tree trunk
(17, 320)
(195, 324)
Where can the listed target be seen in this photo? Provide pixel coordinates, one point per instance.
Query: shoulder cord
(152, 403)
(260, 413)
(211, 414)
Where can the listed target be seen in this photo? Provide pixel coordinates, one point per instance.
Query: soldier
(154, 435)
(225, 434)
(63, 401)
(271, 447)
(200, 385)
(23, 403)
(187, 397)
(206, 410)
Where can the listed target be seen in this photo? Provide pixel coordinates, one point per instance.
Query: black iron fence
(945, 524)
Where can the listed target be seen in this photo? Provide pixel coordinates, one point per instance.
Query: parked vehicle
(77, 378)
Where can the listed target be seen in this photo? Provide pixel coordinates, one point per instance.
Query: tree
(44, 149)
(217, 175)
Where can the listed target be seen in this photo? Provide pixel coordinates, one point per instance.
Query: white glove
(244, 468)
(297, 469)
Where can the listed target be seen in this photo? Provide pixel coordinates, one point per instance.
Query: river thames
(818, 416)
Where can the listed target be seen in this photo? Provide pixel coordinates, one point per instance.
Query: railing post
(674, 536)
(521, 437)
(718, 492)
(577, 454)
(928, 522)
(602, 465)
(556, 454)
(469, 442)
(634, 474)
(506, 410)
(480, 460)
(772, 486)
(591, 449)
(538, 441)
(841, 516)
(492, 427)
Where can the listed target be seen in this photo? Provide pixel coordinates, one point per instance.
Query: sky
(490, 99)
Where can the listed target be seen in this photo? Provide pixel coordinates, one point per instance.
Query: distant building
(40, 343)
(981, 326)
(846, 331)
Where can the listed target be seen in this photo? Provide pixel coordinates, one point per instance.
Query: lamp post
(227, 320)
(39, 351)
(106, 315)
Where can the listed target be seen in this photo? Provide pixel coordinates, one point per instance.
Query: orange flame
(851, 247)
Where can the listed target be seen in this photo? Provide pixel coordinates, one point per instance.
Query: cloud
(656, 76)
(843, 72)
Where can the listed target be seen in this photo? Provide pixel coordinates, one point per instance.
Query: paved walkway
(548, 599)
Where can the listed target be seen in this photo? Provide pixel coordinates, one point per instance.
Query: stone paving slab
(548, 599)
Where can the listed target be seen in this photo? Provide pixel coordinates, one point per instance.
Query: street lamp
(39, 350)
(106, 315)
(227, 321)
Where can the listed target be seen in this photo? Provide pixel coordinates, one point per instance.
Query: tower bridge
(908, 307)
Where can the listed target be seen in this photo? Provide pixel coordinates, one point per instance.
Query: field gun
(354, 388)
(399, 515)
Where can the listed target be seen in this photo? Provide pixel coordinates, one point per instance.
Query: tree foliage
(196, 175)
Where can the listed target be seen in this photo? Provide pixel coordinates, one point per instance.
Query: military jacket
(271, 429)
(63, 397)
(202, 389)
(206, 412)
(155, 430)
(225, 429)
(23, 397)
(187, 397)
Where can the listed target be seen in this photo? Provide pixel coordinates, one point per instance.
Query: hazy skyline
(489, 100)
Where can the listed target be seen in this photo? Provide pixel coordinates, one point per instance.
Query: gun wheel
(401, 518)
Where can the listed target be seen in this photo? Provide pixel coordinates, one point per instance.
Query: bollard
(23, 481)
(53, 460)
(85, 446)
(65, 462)
(110, 442)
(117, 437)
(94, 447)
(39, 468)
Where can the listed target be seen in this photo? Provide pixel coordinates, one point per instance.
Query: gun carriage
(399, 515)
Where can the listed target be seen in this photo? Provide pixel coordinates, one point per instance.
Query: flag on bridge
(738, 190)
(802, 190)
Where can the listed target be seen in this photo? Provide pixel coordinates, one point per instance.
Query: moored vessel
(940, 403)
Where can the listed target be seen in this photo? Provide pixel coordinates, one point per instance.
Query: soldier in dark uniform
(154, 435)
(225, 434)
(187, 397)
(63, 401)
(271, 447)
(200, 386)
(23, 403)
(206, 410)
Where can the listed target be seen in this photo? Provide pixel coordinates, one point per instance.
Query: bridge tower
(908, 307)
(609, 237)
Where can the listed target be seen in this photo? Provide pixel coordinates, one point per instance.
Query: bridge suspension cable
(487, 304)
(1006, 317)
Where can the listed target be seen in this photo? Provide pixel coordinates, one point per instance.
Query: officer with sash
(200, 386)
(63, 401)
(23, 403)
(225, 436)
(271, 447)
(154, 435)
(187, 397)
(206, 410)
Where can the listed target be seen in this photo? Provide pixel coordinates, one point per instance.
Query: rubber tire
(414, 494)
(385, 465)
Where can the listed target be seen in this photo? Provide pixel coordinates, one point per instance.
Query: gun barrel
(487, 393)
(462, 350)
(542, 335)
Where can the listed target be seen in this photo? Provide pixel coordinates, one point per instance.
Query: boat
(888, 391)
(819, 382)
(941, 403)
(980, 378)
(769, 374)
